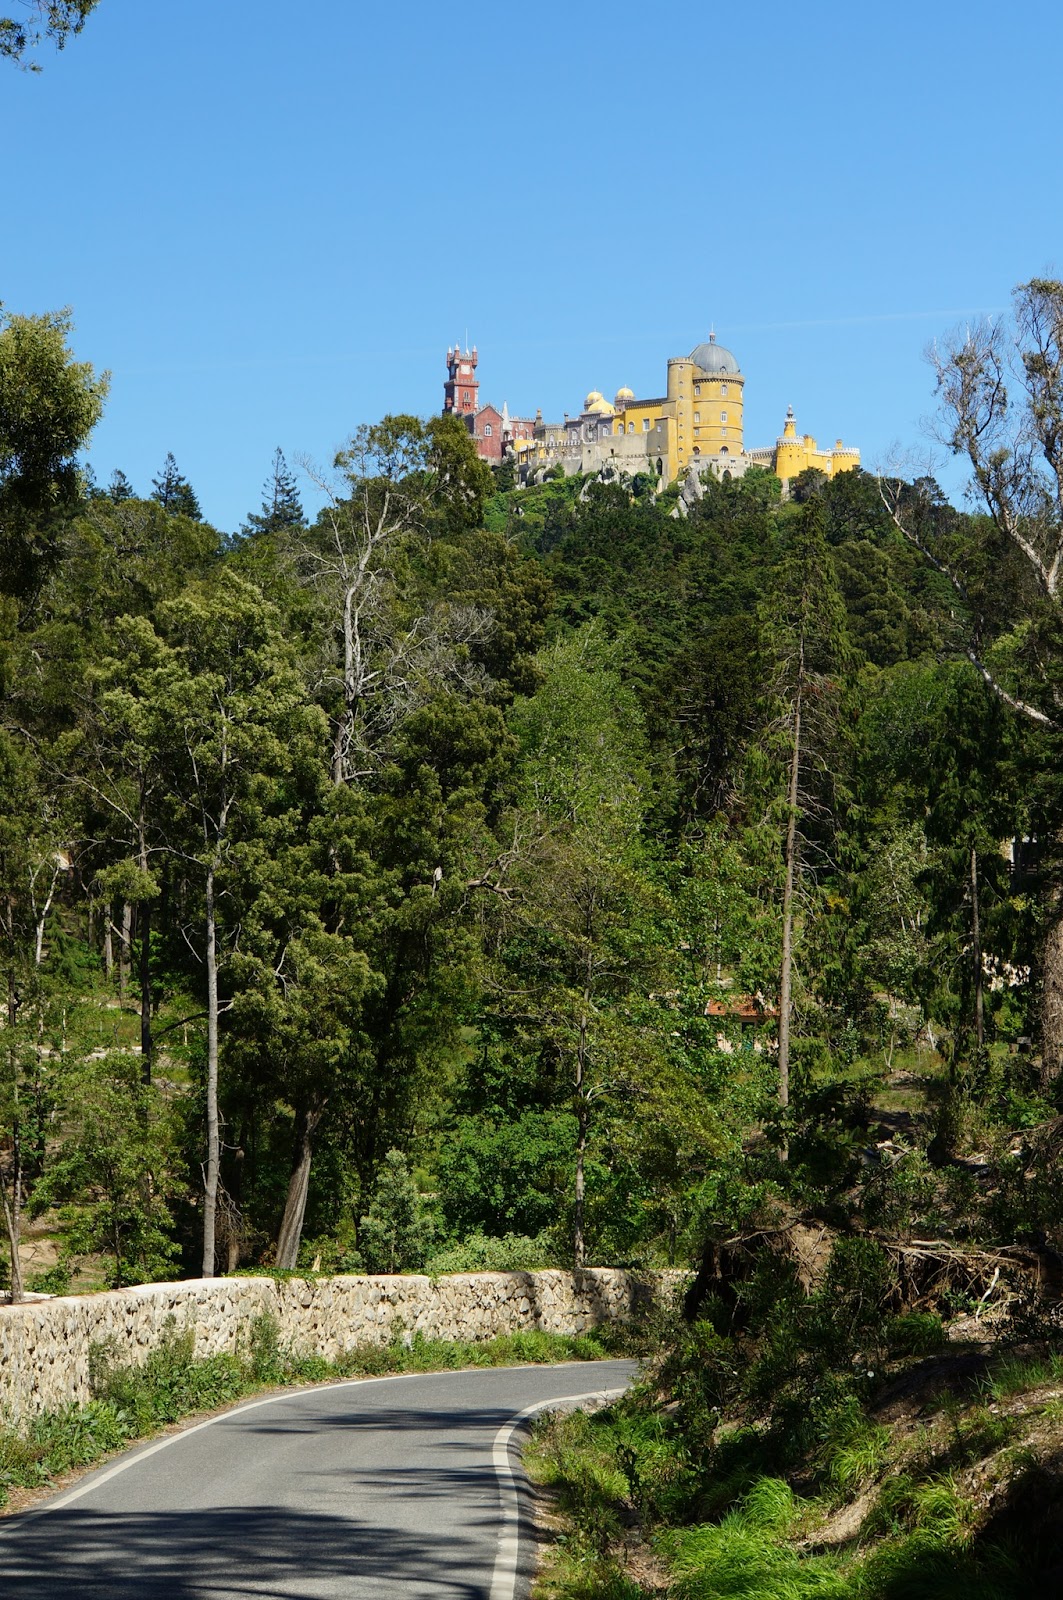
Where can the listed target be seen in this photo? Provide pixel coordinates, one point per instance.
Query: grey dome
(713, 357)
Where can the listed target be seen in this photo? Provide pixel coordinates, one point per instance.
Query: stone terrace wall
(44, 1345)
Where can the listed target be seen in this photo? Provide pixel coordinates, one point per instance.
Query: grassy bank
(134, 1401)
(946, 1483)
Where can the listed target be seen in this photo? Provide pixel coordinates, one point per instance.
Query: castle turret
(461, 390)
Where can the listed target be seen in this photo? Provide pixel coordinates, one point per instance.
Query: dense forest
(478, 875)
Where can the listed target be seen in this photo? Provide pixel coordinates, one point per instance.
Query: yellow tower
(795, 453)
(711, 421)
(791, 453)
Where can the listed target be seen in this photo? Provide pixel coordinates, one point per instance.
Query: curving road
(369, 1490)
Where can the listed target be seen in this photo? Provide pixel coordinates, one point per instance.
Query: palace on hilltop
(694, 428)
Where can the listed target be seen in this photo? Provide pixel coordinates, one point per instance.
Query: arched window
(488, 430)
(631, 427)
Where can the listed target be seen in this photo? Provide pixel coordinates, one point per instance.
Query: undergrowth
(134, 1400)
(815, 1457)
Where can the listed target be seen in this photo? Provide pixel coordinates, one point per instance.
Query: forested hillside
(489, 876)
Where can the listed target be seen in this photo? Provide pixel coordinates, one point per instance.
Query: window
(488, 430)
(697, 391)
(645, 424)
(723, 416)
(631, 427)
(723, 388)
(465, 397)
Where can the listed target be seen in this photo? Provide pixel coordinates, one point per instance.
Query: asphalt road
(369, 1490)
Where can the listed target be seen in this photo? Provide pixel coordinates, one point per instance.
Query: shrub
(397, 1232)
(515, 1252)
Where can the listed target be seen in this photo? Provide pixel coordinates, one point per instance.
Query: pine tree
(174, 492)
(281, 506)
(119, 488)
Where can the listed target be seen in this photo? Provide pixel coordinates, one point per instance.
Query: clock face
(466, 369)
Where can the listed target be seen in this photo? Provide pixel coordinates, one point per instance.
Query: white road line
(124, 1465)
(504, 1579)
(95, 1480)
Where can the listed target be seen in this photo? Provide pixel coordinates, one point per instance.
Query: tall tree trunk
(108, 941)
(579, 1245)
(210, 1187)
(291, 1229)
(144, 929)
(976, 955)
(786, 974)
(11, 1190)
(1052, 992)
(125, 949)
(13, 1218)
(145, 992)
(235, 1186)
(13, 1204)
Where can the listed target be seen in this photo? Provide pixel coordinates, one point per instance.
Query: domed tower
(715, 401)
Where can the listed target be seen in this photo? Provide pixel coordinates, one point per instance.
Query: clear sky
(271, 219)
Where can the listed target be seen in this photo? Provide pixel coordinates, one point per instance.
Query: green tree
(111, 1169)
(577, 940)
(397, 1233)
(174, 492)
(119, 488)
(281, 507)
(805, 635)
(57, 20)
(219, 709)
(49, 404)
(34, 859)
(1000, 385)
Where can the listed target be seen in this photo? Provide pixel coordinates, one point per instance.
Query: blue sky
(270, 220)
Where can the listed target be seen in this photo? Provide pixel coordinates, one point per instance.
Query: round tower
(716, 401)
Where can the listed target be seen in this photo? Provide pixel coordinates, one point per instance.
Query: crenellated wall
(44, 1345)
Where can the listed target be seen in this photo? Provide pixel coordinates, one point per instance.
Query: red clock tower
(462, 386)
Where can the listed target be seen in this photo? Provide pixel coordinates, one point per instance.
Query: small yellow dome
(624, 394)
(592, 399)
(601, 407)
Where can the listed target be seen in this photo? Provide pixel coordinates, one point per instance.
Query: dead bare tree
(389, 662)
(1000, 386)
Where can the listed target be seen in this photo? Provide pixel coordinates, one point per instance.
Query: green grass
(132, 1401)
(1015, 1374)
(719, 1534)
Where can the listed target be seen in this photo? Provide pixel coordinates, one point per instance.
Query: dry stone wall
(45, 1345)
